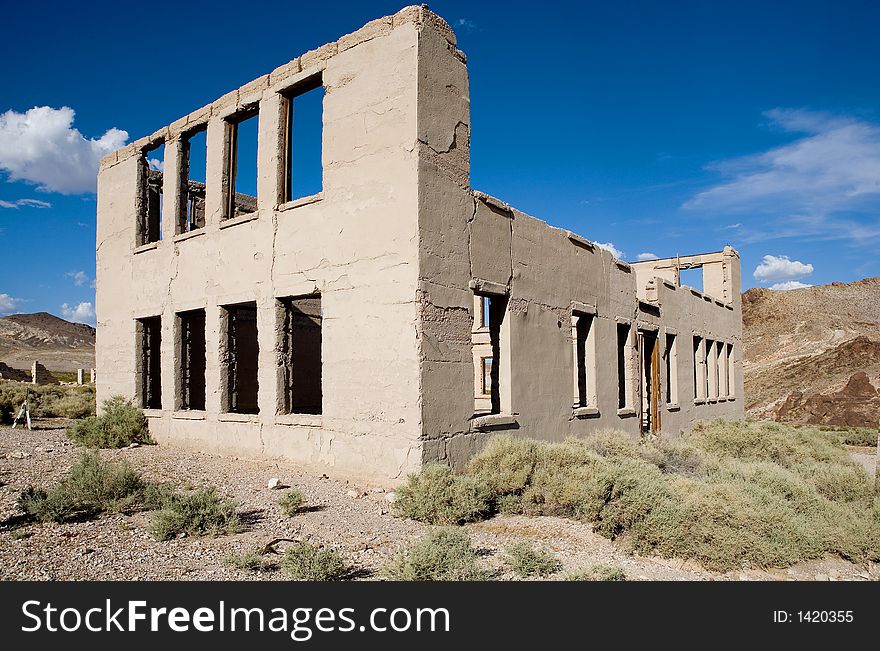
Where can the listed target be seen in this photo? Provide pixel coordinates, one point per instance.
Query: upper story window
(240, 169)
(303, 168)
(193, 175)
(151, 172)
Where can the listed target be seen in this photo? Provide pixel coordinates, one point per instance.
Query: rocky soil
(354, 518)
(812, 355)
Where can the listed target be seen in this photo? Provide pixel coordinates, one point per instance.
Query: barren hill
(813, 354)
(56, 343)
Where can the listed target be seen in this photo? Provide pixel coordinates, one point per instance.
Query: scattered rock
(353, 493)
(274, 483)
(134, 445)
(390, 497)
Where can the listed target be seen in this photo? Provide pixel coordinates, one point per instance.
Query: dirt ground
(356, 519)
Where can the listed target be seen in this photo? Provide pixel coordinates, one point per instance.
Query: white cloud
(824, 185)
(30, 203)
(789, 285)
(780, 267)
(156, 164)
(613, 250)
(40, 146)
(82, 313)
(466, 24)
(79, 277)
(8, 304)
(646, 256)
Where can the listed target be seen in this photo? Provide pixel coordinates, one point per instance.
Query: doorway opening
(649, 382)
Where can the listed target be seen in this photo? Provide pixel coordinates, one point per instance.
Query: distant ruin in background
(392, 316)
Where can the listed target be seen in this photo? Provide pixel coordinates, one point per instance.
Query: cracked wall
(396, 245)
(354, 244)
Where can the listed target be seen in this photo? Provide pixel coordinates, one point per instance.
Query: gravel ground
(354, 518)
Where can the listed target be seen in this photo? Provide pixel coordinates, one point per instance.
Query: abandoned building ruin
(392, 316)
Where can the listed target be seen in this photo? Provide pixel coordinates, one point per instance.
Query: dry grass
(306, 562)
(50, 401)
(526, 561)
(729, 495)
(437, 495)
(445, 554)
(92, 486)
(598, 573)
(291, 502)
(202, 512)
(120, 425)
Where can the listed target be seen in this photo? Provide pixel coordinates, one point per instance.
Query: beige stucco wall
(396, 244)
(356, 244)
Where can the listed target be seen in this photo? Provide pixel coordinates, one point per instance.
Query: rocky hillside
(813, 355)
(56, 343)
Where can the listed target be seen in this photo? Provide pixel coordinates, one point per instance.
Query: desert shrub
(526, 561)
(50, 401)
(729, 495)
(91, 486)
(598, 573)
(202, 512)
(66, 402)
(677, 457)
(50, 506)
(291, 502)
(306, 562)
(120, 425)
(860, 436)
(445, 554)
(506, 464)
(437, 495)
(251, 562)
(509, 505)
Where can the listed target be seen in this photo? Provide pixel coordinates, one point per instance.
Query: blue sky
(657, 127)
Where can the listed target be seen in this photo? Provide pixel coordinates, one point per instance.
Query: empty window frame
(731, 372)
(723, 375)
(303, 167)
(239, 359)
(584, 349)
(624, 367)
(699, 368)
(190, 354)
(486, 342)
(299, 355)
(149, 361)
(193, 173)
(671, 355)
(240, 167)
(711, 370)
(151, 168)
(486, 374)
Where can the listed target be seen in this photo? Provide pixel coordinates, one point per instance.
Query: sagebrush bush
(91, 486)
(598, 573)
(119, 426)
(291, 502)
(445, 554)
(303, 561)
(48, 401)
(251, 562)
(202, 512)
(437, 495)
(525, 561)
(860, 436)
(729, 495)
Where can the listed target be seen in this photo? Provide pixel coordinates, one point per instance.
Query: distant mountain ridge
(58, 344)
(810, 355)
